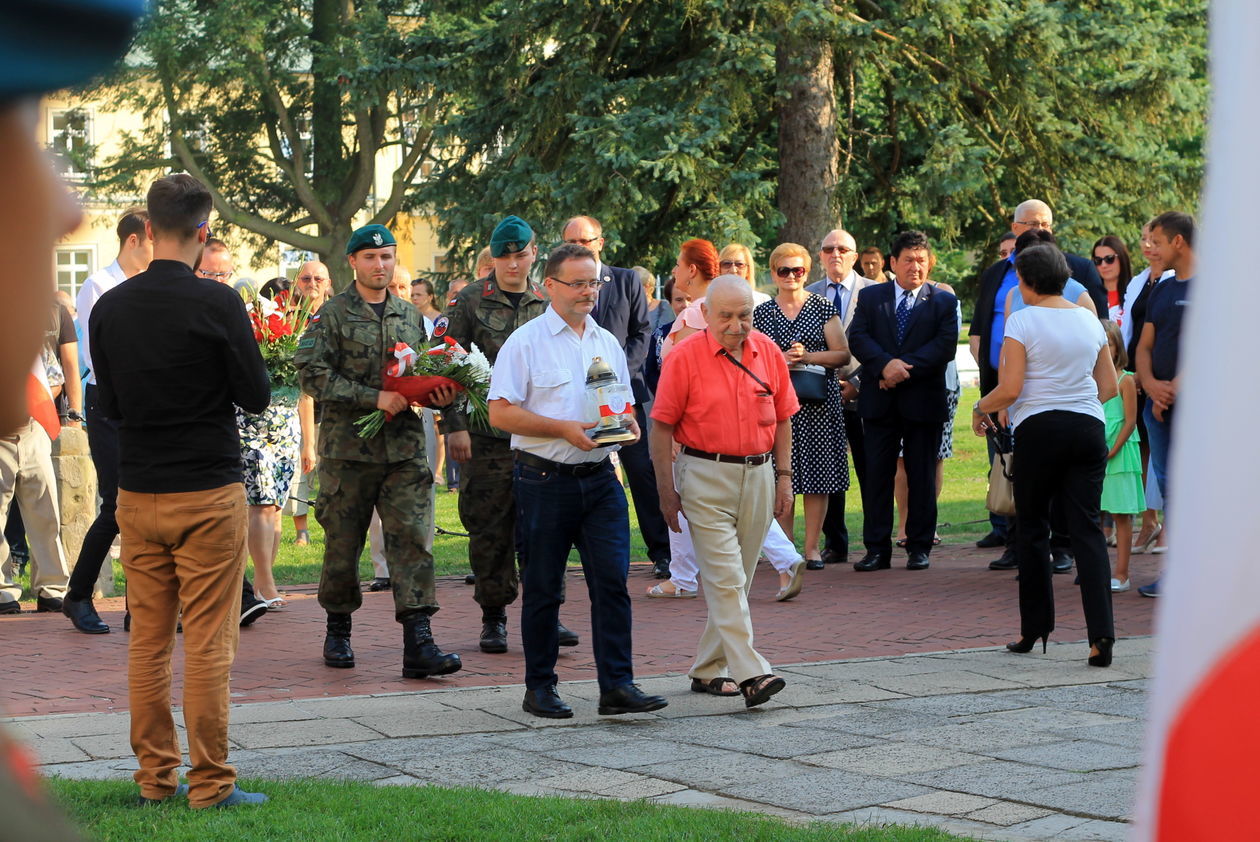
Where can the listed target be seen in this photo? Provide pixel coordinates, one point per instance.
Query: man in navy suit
(904, 333)
(621, 309)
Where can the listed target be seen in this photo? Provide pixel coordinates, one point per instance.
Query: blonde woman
(736, 259)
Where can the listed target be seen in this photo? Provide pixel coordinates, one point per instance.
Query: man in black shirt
(173, 353)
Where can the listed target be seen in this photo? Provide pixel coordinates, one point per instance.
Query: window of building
(440, 263)
(74, 264)
(70, 136)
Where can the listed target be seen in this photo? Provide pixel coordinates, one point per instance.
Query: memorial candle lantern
(609, 405)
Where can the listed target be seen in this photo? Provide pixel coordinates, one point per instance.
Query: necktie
(837, 298)
(903, 316)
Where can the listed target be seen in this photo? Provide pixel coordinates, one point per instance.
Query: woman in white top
(1055, 374)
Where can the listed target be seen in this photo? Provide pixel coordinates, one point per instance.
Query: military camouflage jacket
(340, 359)
(483, 316)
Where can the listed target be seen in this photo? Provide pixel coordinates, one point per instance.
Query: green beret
(370, 237)
(510, 236)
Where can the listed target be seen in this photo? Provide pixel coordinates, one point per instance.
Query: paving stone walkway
(977, 742)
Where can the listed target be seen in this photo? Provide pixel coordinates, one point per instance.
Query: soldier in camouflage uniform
(340, 360)
(485, 314)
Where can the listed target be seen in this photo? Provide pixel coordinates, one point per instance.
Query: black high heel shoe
(1025, 644)
(1100, 652)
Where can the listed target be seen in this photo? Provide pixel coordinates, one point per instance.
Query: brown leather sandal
(714, 686)
(758, 690)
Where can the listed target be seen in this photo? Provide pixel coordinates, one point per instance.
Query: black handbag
(809, 381)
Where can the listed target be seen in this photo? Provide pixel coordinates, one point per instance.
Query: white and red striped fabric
(39, 400)
(1203, 746)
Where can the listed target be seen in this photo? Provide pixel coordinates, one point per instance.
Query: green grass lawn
(324, 810)
(961, 501)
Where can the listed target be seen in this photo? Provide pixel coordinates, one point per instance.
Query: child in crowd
(1123, 495)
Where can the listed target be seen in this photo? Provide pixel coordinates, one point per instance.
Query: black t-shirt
(378, 308)
(513, 297)
(1165, 311)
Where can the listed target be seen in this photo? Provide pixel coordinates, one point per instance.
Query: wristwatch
(75, 415)
(976, 410)
(782, 473)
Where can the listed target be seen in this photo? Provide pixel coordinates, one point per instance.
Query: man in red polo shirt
(726, 397)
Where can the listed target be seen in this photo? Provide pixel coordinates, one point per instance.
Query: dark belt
(758, 459)
(580, 469)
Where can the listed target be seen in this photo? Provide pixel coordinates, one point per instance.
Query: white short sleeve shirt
(542, 368)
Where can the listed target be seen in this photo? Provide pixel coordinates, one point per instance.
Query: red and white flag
(39, 400)
(1203, 743)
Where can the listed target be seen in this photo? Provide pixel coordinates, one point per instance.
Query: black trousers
(920, 442)
(637, 463)
(835, 531)
(103, 441)
(1061, 456)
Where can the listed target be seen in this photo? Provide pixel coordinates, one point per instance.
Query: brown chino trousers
(184, 555)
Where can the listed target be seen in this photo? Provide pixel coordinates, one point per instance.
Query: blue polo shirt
(997, 331)
(1165, 311)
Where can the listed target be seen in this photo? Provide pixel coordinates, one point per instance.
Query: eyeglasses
(736, 265)
(837, 250)
(1036, 223)
(1106, 258)
(215, 276)
(578, 241)
(790, 271)
(595, 284)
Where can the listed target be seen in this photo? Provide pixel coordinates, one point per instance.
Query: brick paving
(957, 604)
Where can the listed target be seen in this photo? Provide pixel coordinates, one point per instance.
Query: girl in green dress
(1123, 494)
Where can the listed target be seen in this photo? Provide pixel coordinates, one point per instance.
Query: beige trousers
(27, 480)
(729, 509)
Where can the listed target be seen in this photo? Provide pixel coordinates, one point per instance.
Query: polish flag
(39, 400)
(1203, 743)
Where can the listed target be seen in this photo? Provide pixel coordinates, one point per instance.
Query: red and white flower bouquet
(415, 375)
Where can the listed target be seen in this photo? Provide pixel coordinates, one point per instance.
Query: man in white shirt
(566, 490)
(837, 255)
(135, 250)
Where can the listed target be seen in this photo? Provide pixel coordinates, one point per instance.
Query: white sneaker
(1119, 586)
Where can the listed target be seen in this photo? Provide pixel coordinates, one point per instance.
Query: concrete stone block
(943, 803)
(59, 750)
(892, 759)
(819, 793)
(486, 768)
(1075, 756)
(994, 779)
(725, 769)
(1005, 814)
(626, 755)
(311, 732)
(421, 723)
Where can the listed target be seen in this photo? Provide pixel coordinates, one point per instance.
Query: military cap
(510, 235)
(52, 44)
(370, 237)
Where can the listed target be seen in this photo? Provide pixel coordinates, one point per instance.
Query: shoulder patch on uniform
(314, 318)
(307, 341)
(488, 289)
(440, 324)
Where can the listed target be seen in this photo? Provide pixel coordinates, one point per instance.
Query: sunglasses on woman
(1106, 258)
(790, 271)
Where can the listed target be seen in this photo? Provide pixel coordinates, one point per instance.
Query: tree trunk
(335, 259)
(808, 146)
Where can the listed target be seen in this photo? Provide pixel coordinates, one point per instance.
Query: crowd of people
(742, 402)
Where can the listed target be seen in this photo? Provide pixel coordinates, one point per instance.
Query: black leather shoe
(660, 568)
(82, 614)
(48, 605)
(1061, 561)
(421, 656)
(873, 561)
(1006, 562)
(470, 579)
(628, 698)
(814, 564)
(493, 630)
(10, 608)
(337, 651)
(917, 561)
(565, 637)
(546, 702)
(380, 583)
(833, 557)
(990, 541)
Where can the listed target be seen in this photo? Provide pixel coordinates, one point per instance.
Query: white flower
(478, 362)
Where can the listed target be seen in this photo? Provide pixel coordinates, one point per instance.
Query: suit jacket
(622, 311)
(1082, 270)
(849, 369)
(929, 345)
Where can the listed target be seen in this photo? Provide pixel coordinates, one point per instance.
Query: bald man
(726, 398)
(838, 257)
(988, 328)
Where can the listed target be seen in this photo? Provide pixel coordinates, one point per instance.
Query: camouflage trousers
(348, 492)
(487, 508)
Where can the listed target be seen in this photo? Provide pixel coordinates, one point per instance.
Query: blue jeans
(1158, 438)
(556, 513)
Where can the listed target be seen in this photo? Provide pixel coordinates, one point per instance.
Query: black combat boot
(421, 656)
(337, 651)
(493, 630)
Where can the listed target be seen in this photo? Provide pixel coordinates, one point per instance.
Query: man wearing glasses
(566, 487)
(621, 309)
(485, 314)
(216, 261)
(838, 255)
